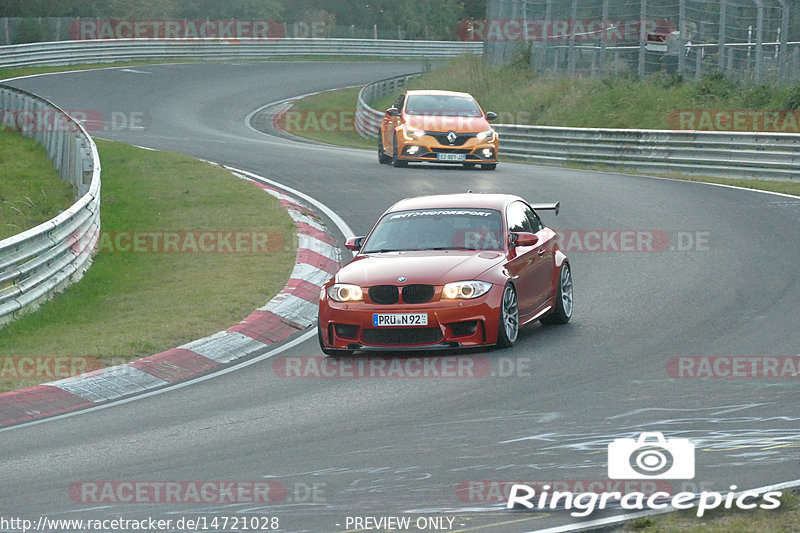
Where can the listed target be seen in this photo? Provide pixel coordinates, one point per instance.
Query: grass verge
(131, 305)
(31, 189)
(327, 117)
(783, 519)
(521, 96)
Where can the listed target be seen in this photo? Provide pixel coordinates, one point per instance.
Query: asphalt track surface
(385, 446)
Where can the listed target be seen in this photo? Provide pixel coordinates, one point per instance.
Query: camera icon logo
(651, 457)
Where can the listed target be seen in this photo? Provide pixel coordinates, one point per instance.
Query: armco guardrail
(43, 260)
(108, 50)
(368, 120)
(751, 155)
(729, 154)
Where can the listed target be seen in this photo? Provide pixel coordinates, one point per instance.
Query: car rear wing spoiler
(547, 207)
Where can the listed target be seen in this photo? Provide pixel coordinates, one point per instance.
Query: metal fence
(43, 260)
(71, 52)
(368, 120)
(745, 155)
(755, 40)
(16, 30)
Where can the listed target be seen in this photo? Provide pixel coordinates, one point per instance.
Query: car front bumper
(451, 324)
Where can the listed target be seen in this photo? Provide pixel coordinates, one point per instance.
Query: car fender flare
(560, 258)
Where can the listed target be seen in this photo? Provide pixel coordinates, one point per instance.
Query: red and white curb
(292, 310)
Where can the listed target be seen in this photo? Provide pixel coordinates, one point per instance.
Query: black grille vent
(346, 331)
(451, 150)
(418, 294)
(384, 294)
(401, 336)
(441, 138)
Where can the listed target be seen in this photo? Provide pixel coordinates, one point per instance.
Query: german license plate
(399, 319)
(451, 157)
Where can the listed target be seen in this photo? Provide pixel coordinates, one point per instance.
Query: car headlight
(485, 134)
(465, 290)
(411, 133)
(344, 292)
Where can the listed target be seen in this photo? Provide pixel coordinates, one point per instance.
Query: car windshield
(444, 105)
(437, 229)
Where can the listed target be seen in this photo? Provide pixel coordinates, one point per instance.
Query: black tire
(488, 166)
(383, 159)
(564, 302)
(330, 351)
(508, 323)
(396, 161)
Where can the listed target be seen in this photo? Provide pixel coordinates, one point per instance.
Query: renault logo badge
(451, 136)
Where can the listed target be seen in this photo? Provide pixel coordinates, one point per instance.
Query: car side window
(517, 218)
(533, 218)
(399, 102)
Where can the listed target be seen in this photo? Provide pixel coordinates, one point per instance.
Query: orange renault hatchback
(438, 127)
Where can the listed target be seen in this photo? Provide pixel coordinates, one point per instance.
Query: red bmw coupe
(445, 272)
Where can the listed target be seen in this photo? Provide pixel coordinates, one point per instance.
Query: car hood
(427, 267)
(448, 123)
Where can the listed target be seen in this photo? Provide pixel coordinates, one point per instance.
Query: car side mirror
(392, 112)
(491, 116)
(354, 243)
(524, 238)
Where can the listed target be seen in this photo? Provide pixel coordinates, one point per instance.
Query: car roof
(437, 93)
(464, 200)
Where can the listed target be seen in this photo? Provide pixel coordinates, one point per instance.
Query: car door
(522, 260)
(545, 248)
(389, 125)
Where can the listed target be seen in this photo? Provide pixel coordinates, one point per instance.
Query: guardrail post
(783, 49)
(571, 59)
(759, 39)
(682, 39)
(604, 38)
(723, 4)
(642, 36)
